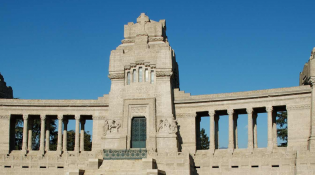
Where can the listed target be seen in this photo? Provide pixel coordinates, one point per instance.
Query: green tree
(282, 130)
(204, 139)
(71, 141)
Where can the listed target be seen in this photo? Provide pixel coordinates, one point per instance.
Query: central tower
(143, 72)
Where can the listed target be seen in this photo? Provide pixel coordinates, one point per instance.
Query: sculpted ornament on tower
(111, 126)
(166, 126)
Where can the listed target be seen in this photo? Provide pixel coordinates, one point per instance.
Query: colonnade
(45, 133)
(252, 129)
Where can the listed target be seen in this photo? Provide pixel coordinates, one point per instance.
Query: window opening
(128, 78)
(146, 74)
(152, 76)
(140, 74)
(134, 75)
(202, 130)
(280, 125)
(16, 132)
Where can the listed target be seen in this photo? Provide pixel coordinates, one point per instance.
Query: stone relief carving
(139, 110)
(4, 117)
(111, 126)
(116, 76)
(164, 73)
(166, 126)
(298, 107)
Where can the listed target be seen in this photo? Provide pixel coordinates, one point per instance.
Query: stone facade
(5, 91)
(145, 86)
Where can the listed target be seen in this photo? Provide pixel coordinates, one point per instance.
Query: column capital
(249, 110)
(25, 116)
(42, 117)
(60, 117)
(230, 111)
(312, 81)
(269, 108)
(211, 113)
(77, 117)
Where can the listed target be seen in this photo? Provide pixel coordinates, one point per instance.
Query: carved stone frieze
(138, 110)
(164, 73)
(156, 39)
(183, 115)
(298, 107)
(127, 41)
(166, 126)
(116, 76)
(111, 126)
(5, 117)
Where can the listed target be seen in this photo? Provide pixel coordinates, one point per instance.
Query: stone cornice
(52, 103)
(182, 98)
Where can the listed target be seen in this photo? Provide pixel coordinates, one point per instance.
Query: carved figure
(167, 127)
(105, 128)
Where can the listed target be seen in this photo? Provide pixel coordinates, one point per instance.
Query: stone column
(77, 134)
(212, 131)
(235, 131)
(82, 135)
(231, 133)
(250, 129)
(42, 133)
(60, 117)
(24, 144)
(30, 134)
(47, 134)
(270, 131)
(255, 130)
(216, 138)
(65, 143)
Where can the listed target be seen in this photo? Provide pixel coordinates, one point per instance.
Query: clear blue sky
(60, 49)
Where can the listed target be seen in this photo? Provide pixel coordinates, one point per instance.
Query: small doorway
(138, 132)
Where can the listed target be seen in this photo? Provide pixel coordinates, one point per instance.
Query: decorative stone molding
(166, 126)
(111, 126)
(164, 73)
(156, 39)
(125, 41)
(42, 117)
(77, 117)
(116, 76)
(5, 117)
(298, 107)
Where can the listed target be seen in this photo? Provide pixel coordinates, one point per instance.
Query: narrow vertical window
(146, 75)
(152, 76)
(128, 78)
(134, 75)
(140, 74)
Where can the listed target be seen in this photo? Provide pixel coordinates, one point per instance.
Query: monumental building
(147, 126)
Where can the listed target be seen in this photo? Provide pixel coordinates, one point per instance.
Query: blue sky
(60, 49)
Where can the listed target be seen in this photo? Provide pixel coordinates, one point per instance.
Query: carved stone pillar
(212, 131)
(77, 133)
(270, 131)
(82, 135)
(24, 144)
(47, 134)
(60, 118)
(250, 128)
(231, 133)
(30, 134)
(65, 143)
(42, 133)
